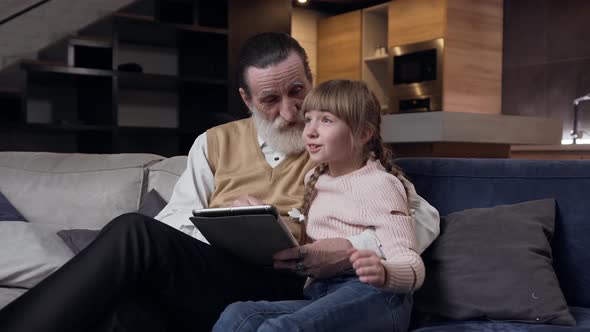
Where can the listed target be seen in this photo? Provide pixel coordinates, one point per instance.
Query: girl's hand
(368, 267)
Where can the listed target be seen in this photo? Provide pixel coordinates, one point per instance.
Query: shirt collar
(261, 142)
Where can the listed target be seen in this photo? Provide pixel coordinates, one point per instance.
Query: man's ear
(247, 99)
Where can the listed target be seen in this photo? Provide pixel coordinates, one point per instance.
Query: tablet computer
(253, 233)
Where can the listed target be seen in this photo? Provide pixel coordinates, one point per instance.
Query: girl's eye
(307, 120)
(326, 119)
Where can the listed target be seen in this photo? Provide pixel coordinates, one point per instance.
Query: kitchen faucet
(575, 133)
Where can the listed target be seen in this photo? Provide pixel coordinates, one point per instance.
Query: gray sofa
(68, 191)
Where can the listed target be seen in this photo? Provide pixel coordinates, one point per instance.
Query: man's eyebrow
(271, 91)
(266, 93)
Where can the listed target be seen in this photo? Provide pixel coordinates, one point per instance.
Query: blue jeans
(336, 304)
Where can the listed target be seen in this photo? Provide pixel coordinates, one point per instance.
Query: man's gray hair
(266, 49)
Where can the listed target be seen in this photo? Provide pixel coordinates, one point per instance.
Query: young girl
(355, 187)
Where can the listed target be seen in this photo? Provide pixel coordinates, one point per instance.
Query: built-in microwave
(416, 71)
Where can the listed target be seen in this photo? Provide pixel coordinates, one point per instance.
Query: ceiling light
(302, 1)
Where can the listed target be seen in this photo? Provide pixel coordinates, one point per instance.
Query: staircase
(147, 78)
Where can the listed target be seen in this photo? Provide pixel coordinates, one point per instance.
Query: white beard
(277, 134)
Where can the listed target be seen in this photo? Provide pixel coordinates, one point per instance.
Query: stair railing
(23, 11)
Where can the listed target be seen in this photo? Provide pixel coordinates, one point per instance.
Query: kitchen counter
(470, 128)
(556, 151)
(453, 134)
(557, 147)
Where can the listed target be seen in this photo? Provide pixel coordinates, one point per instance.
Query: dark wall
(245, 19)
(546, 59)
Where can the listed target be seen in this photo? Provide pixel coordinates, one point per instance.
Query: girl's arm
(385, 208)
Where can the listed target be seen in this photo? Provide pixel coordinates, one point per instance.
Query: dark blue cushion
(78, 239)
(9, 212)
(453, 185)
(581, 315)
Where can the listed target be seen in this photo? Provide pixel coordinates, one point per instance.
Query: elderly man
(140, 274)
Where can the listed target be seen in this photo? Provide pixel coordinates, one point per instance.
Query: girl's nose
(310, 130)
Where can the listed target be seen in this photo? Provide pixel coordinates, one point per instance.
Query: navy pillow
(494, 264)
(77, 239)
(151, 204)
(9, 212)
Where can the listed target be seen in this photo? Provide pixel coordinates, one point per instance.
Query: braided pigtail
(308, 197)
(385, 156)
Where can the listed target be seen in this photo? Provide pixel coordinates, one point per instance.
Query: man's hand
(321, 259)
(368, 267)
(246, 200)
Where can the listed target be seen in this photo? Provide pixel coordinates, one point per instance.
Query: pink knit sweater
(369, 197)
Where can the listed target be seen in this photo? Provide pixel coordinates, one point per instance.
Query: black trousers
(142, 275)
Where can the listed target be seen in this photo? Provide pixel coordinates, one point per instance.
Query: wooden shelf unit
(375, 65)
(347, 45)
(90, 103)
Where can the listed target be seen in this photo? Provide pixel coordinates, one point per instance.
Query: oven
(416, 72)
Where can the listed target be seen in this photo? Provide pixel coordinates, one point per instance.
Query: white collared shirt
(197, 183)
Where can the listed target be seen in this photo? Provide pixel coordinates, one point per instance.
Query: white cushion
(163, 175)
(76, 190)
(30, 252)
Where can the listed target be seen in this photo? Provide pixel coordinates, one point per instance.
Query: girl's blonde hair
(359, 108)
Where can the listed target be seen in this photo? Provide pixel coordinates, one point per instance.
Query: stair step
(9, 93)
(91, 41)
(35, 62)
(61, 68)
(150, 19)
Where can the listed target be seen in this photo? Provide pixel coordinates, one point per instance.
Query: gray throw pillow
(77, 239)
(151, 204)
(495, 263)
(30, 252)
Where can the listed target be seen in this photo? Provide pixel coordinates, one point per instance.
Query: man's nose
(289, 110)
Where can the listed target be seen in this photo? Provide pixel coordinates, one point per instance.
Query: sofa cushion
(8, 212)
(74, 190)
(581, 315)
(30, 252)
(77, 239)
(163, 175)
(9, 294)
(452, 185)
(495, 263)
(151, 204)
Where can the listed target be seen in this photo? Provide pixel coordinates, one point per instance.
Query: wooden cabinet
(472, 33)
(412, 21)
(473, 57)
(339, 47)
(347, 49)
(376, 60)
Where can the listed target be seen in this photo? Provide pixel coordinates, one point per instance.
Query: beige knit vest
(240, 168)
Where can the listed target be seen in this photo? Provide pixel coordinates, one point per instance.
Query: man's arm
(426, 218)
(328, 257)
(427, 225)
(192, 191)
